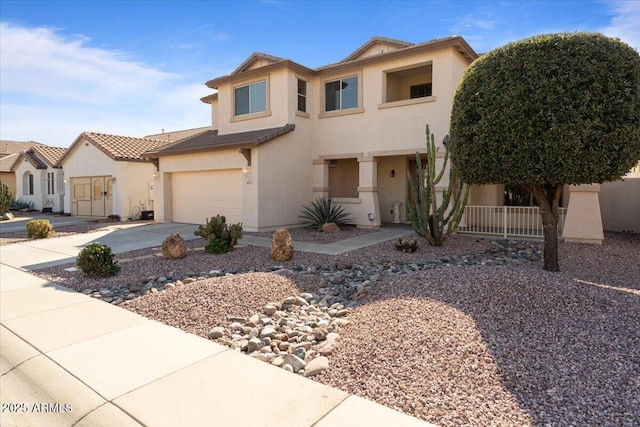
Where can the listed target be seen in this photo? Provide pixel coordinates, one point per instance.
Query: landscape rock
(330, 227)
(317, 366)
(281, 245)
(174, 247)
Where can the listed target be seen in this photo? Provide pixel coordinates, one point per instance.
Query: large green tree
(547, 111)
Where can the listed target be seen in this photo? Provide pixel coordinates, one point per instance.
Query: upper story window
(413, 82)
(302, 96)
(341, 94)
(420, 91)
(251, 98)
(50, 183)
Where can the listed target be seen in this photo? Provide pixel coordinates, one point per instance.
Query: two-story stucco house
(285, 134)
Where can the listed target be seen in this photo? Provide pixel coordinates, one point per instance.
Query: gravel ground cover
(317, 236)
(478, 345)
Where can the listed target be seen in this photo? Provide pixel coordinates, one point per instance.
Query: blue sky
(136, 67)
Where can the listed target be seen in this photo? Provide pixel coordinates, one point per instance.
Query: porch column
(368, 214)
(584, 222)
(320, 178)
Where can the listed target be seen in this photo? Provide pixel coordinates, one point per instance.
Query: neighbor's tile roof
(211, 139)
(178, 135)
(50, 155)
(43, 156)
(119, 147)
(16, 147)
(7, 162)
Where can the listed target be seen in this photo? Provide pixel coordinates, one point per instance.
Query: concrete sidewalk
(69, 360)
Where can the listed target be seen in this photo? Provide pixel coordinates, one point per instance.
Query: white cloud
(626, 23)
(53, 87)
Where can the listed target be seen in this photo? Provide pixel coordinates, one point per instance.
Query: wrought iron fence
(506, 221)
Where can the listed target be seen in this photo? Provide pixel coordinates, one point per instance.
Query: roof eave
(215, 83)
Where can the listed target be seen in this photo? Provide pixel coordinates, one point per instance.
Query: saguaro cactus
(435, 223)
(5, 198)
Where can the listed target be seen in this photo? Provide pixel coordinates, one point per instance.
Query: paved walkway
(69, 360)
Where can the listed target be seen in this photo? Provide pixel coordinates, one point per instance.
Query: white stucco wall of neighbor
(131, 185)
(39, 195)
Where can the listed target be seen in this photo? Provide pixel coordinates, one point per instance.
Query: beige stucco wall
(131, 187)
(9, 178)
(277, 108)
(620, 205)
(282, 182)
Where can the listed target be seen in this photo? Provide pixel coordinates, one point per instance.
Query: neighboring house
(9, 151)
(7, 174)
(39, 179)
(15, 147)
(105, 174)
(286, 134)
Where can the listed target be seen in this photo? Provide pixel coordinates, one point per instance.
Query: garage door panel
(200, 195)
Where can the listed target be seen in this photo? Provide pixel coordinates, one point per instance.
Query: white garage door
(201, 195)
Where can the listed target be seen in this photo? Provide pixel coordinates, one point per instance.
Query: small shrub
(21, 205)
(322, 211)
(39, 229)
(217, 246)
(97, 260)
(221, 236)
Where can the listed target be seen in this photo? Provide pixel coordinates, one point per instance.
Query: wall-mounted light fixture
(246, 172)
(371, 216)
(392, 174)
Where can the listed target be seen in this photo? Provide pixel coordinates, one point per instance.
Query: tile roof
(211, 139)
(124, 148)
(179, 134)
(35, 161)
(50, 155)
(7, 162)
(16, 147)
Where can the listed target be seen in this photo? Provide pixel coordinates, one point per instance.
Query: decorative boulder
(281, 245)
(7, 216)
(174, 247)
(330, 227)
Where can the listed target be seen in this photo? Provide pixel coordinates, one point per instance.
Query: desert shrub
(217, 246)
(323, 210)
(39, 229)
(221, 236)
(97, 260)
(21, 205)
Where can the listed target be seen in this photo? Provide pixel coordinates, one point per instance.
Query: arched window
(27, 184)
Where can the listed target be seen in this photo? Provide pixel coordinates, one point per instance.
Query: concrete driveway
(119, 236)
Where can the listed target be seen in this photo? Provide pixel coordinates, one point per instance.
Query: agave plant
(323, 210)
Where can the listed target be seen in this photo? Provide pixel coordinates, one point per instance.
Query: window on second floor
(420, 91)
(302, 96)
(409, 83)
(341, 94)
(251, 98)
(50, 183)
